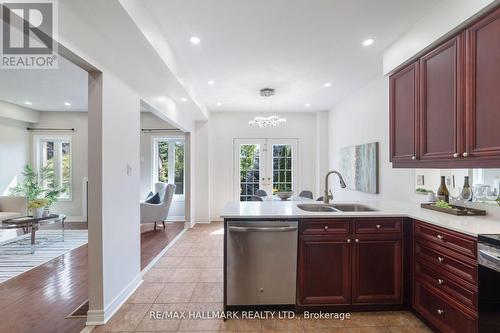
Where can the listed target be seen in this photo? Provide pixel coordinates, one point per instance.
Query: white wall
(14, 153)
(223, 127)
(149, 120)
(363, 117)
(79, 140)
(202, 173)
(448, 16)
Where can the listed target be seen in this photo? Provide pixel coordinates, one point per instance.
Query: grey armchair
(153, 213)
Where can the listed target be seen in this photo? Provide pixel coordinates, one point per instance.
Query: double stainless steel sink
(321, 207)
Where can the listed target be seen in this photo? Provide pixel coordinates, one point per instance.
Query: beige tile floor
(189, 278)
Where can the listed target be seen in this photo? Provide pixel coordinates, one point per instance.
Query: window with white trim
(53, 158)
(168, 162)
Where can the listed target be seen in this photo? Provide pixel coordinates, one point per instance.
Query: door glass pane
(282, 168)
(249, 170)
(162, 152)
(179, 167)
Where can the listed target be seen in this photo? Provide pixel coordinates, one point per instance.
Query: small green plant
(43, 186)
(422, 190)
(498, 200)
(443, 204)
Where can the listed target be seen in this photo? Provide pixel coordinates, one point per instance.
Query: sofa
(12, 207)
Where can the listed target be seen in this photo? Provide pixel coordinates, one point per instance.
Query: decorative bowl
(284, 195)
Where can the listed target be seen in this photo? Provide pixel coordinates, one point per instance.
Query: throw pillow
(155, 199)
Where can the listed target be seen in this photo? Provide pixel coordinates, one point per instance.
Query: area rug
(15, 258)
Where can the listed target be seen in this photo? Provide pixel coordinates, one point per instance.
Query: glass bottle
(466, 193)
(442, 192)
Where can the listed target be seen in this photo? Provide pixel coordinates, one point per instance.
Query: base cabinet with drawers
(445, 278)
(350, 261)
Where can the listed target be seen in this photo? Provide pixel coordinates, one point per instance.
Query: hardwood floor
(40, 299)
(152, 242)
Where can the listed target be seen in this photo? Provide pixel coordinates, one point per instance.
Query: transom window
(168, 162)
(53, 159)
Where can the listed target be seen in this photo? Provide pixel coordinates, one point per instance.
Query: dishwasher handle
(261, 229)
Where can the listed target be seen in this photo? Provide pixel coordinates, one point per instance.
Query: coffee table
(31, 224)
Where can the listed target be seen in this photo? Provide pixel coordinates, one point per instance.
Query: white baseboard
(101, 317)
(202, 220)
(176, 218)
(80, 219)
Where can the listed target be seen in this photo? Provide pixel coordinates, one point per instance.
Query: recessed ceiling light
(211, 82)
(368, 42)
(219, 103)
(67, 103)
(195, 40)
(28, 103)
(307, 105)
(184, 99)
(327, 84)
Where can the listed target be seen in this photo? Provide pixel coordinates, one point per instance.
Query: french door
(265, 164)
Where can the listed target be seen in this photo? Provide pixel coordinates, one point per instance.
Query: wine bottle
(442, 192)
(466, 193)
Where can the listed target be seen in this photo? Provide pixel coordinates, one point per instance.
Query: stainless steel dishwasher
(261, 262)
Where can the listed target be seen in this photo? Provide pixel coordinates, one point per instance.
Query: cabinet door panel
(483, 82)
(441, 72)
(324, 271)
(377, 271)
(403, 111)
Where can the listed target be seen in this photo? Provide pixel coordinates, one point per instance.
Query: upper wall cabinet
(483, 87)
(441, 107)
(403, 113)
(445, 106)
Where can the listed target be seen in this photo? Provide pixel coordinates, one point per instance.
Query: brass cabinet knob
(326, 227)
(455, 155)
(465, 154)
(378, 226)
(356, 240)
(414, 157)
(348, 240)
(440, 312)
(440, 259)
(441, 237)
(440, 281)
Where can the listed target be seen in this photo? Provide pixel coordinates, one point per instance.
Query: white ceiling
(46, 89)
(294, 46)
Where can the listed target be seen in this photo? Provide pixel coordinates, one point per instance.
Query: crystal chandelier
(272, 121)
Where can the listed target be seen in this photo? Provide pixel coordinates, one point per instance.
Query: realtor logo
(28, 31)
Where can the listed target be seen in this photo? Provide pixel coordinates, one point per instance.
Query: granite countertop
(471, 225)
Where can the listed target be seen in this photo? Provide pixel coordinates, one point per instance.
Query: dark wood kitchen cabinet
(441, 101)
(324, 270)
(377, 270)
(403, 113)
(361, 266)
(455, 104)
(483, 88)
